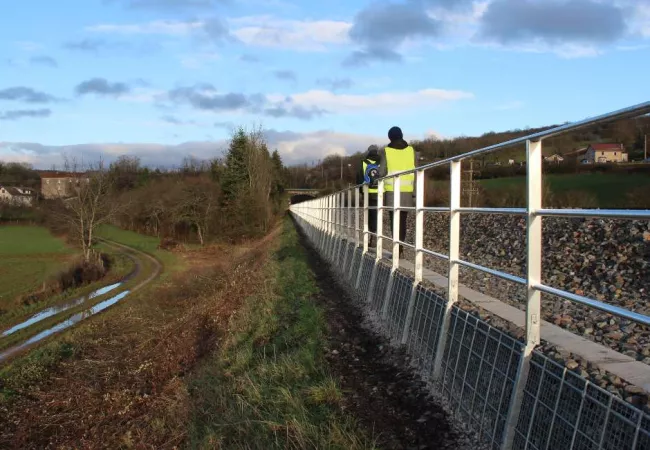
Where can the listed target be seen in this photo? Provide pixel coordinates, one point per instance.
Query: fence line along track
(512, 395)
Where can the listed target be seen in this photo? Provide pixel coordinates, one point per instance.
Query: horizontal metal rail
(611, 309)
(496, 273)
(596, 213)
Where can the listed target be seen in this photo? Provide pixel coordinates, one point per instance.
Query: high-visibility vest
(370, 190)
(399, 161)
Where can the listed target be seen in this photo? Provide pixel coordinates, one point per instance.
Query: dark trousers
(403, 215)
(372, 213)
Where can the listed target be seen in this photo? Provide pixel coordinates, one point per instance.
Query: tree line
(335, 172)
(231, 198)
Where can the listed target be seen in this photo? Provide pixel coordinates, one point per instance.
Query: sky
(165, 79)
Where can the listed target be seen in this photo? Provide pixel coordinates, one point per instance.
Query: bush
(78, 274)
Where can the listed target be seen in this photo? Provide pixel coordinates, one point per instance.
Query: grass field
(147, 244)
(609, 190)
(28, 256)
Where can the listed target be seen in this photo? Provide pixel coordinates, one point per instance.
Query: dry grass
(228, 354)
(119, 383)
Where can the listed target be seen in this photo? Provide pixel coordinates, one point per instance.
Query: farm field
(609, 190)
(28, 256)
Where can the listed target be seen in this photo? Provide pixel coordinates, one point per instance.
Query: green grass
(609, 190)
(147, 244)
(28, 256)
(268, 387)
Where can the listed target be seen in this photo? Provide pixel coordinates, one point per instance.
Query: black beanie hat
(395, 134)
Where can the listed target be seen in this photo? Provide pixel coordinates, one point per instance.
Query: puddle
(99, 307)
(49, 312)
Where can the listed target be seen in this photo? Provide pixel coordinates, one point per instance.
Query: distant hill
(628, 132)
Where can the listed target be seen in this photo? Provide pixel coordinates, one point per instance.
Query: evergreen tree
(234, 176)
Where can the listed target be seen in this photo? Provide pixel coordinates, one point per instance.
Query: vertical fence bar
(330, 233)
(356, 217)
(396, 214)
(533, 277)
(348, 232)
(348, 223)
(365, 237)
(419, 256)
(454, 250)
(380, 218)
(380, 241)
(396, 222)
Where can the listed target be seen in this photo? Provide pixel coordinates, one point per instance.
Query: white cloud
(433, 134)
(640, 21)
(298, 148)
(304, 35)
(29, 46)
(386, 101)
(295, 148)
(198, 60)
(259, 31)
(143, 95)
(163, 27)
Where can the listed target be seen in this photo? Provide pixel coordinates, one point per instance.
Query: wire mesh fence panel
(379, 291)
(357, 256)
(643, 436)
(366, 274)
(479, 369)
(398, 304)
(347, 260)
(561, 409)
(428, 311)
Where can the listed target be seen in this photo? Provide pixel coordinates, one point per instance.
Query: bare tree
(88, 204)
(197, 205)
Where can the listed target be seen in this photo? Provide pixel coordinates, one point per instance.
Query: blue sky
(163, 79)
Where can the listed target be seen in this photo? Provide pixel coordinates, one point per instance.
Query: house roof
(608, 147)
(13, 191)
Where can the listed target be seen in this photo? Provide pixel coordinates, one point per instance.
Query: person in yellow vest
(367, 174)
(398, 156)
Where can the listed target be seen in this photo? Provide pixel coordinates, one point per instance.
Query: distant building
(61, 184)
(554, 158)
(605, 153)
(18, 196)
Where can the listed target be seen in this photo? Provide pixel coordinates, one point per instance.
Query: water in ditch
(73, 320)
(49, 312)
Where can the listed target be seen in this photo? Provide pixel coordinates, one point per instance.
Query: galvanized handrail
(327, 214)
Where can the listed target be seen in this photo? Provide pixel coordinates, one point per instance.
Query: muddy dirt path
(29, 343)
(380, 388)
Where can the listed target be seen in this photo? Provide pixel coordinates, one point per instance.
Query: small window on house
(614, 153)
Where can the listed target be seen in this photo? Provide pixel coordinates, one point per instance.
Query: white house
(554, 158)
(19, 196)
(606, 153)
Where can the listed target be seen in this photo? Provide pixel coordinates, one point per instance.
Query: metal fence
(508, 392)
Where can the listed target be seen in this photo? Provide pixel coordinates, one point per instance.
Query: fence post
(348, 223)
(533, 277)
(356, 217)
(452, 273)
(419, 245)
(348, 233)
(380, 241)
(330, 234)
(396, 214)
(364, 236)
